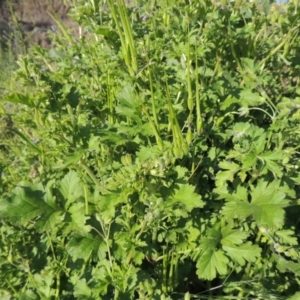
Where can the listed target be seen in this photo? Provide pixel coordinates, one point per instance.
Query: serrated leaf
(50, 220)
(287, 237)
(230, 236)
(71, 188)
(210, 263)
(247, 97)
(107, 204)
(28, 295)
(212, 239)
(224, 176)
(27, 203)
(82, 290)
(78, 218)
(186, 197)
(242, 253)
(19, 98)
(43, 282)
(266, 207)
(284, 265)
(84, 244)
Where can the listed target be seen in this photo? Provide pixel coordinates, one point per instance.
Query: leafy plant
(155, 156)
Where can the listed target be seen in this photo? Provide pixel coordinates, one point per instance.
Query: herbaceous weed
(155, 156)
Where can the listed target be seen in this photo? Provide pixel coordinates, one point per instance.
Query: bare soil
(34, 19)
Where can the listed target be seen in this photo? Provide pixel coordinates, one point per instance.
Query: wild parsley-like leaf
(186, 197)
(43, 282)
(82, 290)
(71, 188)
(76, 218)
(83, 245)
(284, 265)
(266, 206)
(287, 237)
(26, 203)
(211, 262)
(107, 204)
(242, 253)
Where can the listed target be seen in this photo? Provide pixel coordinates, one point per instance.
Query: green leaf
(230, 236)
(186, 197)
(49, 220)
(242, 253)
(266, 207)
(82, 290)
(287, 237)
(78, 218)
(70, 160)
(27, 203)
(249, 98)
(28, 295)
(26, 139)
(296, 296)
(71, 188)
(83, 245)
(43, 282)
(210, 263)
(107, 204)
(19, 98)
(284, 265)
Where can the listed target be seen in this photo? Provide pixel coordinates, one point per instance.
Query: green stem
(152, 98)
(86, 199)
(90, 173)
(198, 107)
(155, 131)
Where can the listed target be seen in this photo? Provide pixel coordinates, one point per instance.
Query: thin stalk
(86, 199)
(155, 131)
(198, 107)
(232, 47)
(110, 102)
(276, 49)
(142, 230)
(178, 139)
(128, 33)
(190, 102)
(65, 33)
(105, 237)
(58, 282)
(90, 173)
(12, 11)
(164, 271)
(51, 246)
(171, 271)
(257, 108)
(152, 98)
(125, 34)
(9, 284)
(113, 12)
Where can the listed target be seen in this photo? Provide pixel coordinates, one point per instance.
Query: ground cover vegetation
(155, 156)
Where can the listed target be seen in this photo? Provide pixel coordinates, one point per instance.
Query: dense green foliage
(155, 156)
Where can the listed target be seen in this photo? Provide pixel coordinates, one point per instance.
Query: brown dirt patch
(34, 19)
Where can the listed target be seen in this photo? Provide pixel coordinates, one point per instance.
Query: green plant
(155, 157)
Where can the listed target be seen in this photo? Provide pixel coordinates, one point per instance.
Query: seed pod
(190, 104)
(128, 159)
(189, 136)
(177, 152)
(185, 148)
(187, 296)
(123, 160)
(199, 126)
